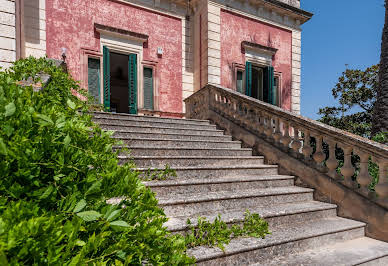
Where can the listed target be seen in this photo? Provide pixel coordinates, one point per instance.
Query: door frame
(125, 46)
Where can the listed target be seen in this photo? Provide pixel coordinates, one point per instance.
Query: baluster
(268, 127)
(307, 149)
(319, 156)
(261, 123)
(347, 169)
(332, 162)
(286, 139)
(277, 135)
(296, 144)
(382, 186)
(364, 178)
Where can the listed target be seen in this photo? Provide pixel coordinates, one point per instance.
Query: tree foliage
(57, 172)
(356, 92)
(380, 114)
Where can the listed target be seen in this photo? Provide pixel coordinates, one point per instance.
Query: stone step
(122, 123)
(191, 203)
(212, 172)
(143, 143)
(177, 161)
(283, 241)
(183, 186)
(181, 136)
(135, 118)
(173, 151)
(278, 215)
(163, 130)
(359, 251)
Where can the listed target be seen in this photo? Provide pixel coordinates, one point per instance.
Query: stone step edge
(172, 134)
(243, 194)
(351, 252)
(240, 214)
(218, 180)
(185, 168)
(179, 148)
(190, 157)
(219, 254)
(156, 117)
(113, 120)
(174, 128)
(179, 140)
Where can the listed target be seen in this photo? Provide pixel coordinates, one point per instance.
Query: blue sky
(340, 32)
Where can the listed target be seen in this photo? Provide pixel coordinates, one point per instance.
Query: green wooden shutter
(248, 78)
(94, 78)
(148, 88)
(269, 95)
(132, 83)
(106, 62)
(239, 82)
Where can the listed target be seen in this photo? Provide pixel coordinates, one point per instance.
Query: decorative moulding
(245, 45)
(108, 30)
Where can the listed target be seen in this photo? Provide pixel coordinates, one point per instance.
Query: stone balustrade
(292, 134)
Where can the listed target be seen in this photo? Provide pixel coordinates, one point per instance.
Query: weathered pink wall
(235, 29)
(70, 24)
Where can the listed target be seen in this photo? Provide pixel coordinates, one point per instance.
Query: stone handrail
(292, 134)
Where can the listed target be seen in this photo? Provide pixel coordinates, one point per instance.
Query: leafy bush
(57, 171)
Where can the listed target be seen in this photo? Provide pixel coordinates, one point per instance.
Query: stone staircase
(216, 176)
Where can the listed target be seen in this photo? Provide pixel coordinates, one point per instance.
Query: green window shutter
(272, 95)
(248, 78)
(148, 88)
(106, 63)
(239, 81)
(94, 78)
(132, 83)
(269, 95)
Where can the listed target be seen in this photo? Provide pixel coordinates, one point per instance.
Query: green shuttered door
(132, 83)
(148, 89)
(270, 90)
(94, 78)
(248, 78)
(106, 63)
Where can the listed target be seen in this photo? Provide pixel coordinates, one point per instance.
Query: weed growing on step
(219, 234)
(166, 173)
(57, 171)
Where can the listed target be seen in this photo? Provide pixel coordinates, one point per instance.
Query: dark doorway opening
(257, 83)
(119, 96)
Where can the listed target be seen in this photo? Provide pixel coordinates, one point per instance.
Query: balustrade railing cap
(376, 149)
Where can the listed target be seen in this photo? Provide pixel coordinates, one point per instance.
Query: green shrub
(57, 171)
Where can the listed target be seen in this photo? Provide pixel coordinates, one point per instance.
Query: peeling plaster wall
(237, 28)
(70, 24)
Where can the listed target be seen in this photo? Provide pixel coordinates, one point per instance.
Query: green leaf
(8, 130)
(3, 259)
(10, 109)
(89, 216)
(3, 148)
(67, 140)
(119, 224)
(71, 104)
(113, 215)
(80, 206)
(47, 192)
(94, 188)
(44, 120)
(80, 243)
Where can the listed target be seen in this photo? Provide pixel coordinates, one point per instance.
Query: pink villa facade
(147, 56)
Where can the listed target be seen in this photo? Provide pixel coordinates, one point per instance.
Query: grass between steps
(218, 233)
